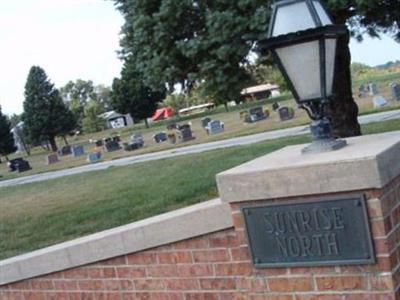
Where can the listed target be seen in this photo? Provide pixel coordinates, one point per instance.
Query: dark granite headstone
(205, 121)
(77, 150)
(255, 114)
(160, 137)
(285, 113)
(98, 143)
(395, 89)
(111, 145)
(215, 127)
(65, 150)
(18, 164)
(185, 133)
(93, 157)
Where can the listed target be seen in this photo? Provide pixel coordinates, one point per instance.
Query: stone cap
(181, 224)
(367, 162)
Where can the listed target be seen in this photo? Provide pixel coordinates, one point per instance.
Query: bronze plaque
(327, 232)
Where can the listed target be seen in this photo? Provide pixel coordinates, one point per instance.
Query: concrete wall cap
(181, 224)
(369, 161)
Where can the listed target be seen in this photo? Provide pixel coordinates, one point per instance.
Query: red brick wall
(217, 266)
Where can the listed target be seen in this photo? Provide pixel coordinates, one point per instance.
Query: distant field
(39, 214)
(234, 127)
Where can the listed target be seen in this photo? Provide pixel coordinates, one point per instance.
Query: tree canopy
(7, 145)
(187, 41)
(45, 114)
(131, 95)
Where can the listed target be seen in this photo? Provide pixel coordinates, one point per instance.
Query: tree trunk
(53, 144)
(65, 140)
(226, 106)
(146, 123)
(343, 110)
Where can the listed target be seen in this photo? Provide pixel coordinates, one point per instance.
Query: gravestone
(373, 89)
(93, 157)
(98, 143)
(52, 159)
(275, 106)
(65, 150)
(172, 126)
(379, 101)
(362, 91)
(171, 137)
(395, 89)
(116, 138)
(185, 133)
(255, 114)
(77, 150)
(18, 164)
(243, 114)
(204, 122)
(285, 113)
(111, 146)
(160, 137)
(215, 127)
(137, 140)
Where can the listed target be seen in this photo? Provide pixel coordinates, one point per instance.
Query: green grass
(40, 214)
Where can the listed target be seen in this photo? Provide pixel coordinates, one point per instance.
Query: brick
(95, 273)
(148, 284)
(296, 284)
(378, 228)
(126, 285)
(146, 296)
(313, 270)
(341, 283)
(131, 272)
(38, 284)
(66, 285)
(374, 208)
(177, 257)
(57, 296)
(109, 273)
(195, 243)
(381, 246)
(238, 221)
(142, 258)
(78, 273)
(218, 284)
(107, 296)
(111, 285)
(271, 272)
(9, 295)
(379, 282)
(200, 296)
(90, 285)
(224, 240)
(220, 255)
(271, 297)
(181, 284)
(21, 285)
(233, 269)
(240, 254)
(195, 270)
(34, 296)
(319, 297)
(367, 296)
(163, 271)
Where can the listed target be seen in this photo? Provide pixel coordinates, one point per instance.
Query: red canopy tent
(162, 113)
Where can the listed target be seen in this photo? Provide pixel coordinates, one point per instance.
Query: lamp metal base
(322, 138)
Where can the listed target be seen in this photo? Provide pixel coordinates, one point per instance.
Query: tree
(45, 114)
(131, 96)
(187, 41)
(103, 97)
(7, 145)
(91, 121)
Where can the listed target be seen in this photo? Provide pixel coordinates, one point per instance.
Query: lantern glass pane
(302, 65)
(323, 16)
(330, 53)
(291, 18)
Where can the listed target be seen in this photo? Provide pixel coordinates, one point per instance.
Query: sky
(78, 39)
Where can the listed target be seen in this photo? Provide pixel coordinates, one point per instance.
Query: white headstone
(378, 101)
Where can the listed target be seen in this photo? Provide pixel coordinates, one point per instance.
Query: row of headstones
(75, 151)
(378, 100)
(256, 114)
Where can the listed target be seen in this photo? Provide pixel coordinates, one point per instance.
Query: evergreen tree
(7, 145)
(131, 96)
(45, 114)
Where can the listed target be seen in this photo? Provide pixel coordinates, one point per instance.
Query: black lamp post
(303, 41)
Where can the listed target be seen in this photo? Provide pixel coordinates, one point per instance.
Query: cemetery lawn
(234, 127)
(40, 214)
